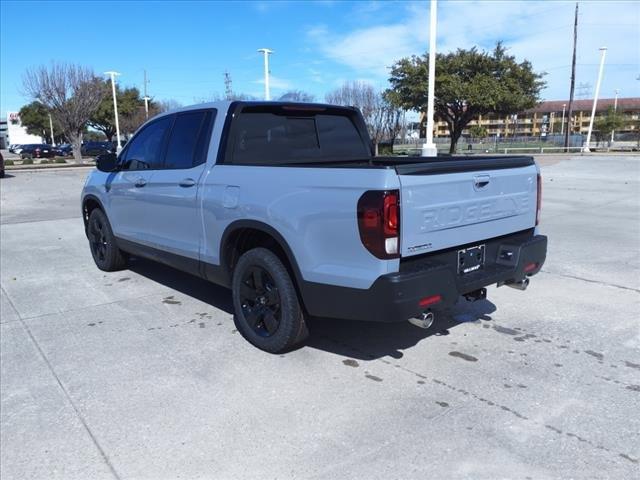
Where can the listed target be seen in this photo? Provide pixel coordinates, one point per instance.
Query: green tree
(609, 122)
(468, 83)
(477, 131)
(35, 118)
(129, 105)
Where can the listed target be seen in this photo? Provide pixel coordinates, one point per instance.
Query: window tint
(145, 150)
(202, 148)
(183, 140)
(265, 138)
(339, 137)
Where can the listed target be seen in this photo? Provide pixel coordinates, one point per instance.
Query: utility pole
(53, 140)
(146, 98)
(564, 105)
(266, 52)
(615, 109)
(228, 89)
(603, 54)
(113, 74)
(573, 78)
(429, 149)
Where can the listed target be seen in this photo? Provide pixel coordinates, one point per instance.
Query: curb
(49, 166)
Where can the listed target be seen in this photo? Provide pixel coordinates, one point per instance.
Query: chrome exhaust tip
(519, 285)
(424, 320)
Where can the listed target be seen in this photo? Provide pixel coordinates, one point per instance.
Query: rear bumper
(396, 296)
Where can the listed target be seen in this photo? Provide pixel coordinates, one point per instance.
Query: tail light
(539, 199)
(379, 222)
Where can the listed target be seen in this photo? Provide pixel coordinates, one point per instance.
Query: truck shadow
(372, 340)
(190, 285)
(351, 339)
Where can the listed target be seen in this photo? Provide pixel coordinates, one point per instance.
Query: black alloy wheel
(260, 301)
(98, 239)
(268, 312)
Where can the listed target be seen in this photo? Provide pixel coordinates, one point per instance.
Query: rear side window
(272, 138)
(186, 147)
(144, 152)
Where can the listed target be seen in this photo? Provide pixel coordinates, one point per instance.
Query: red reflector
(530, 267)
(426, 301)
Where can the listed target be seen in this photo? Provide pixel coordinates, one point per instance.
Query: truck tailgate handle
(187, 182)
(481, 181)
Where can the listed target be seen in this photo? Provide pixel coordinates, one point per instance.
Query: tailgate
(446, 203)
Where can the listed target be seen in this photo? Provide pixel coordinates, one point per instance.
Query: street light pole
(266, 52)
(615, 109)
(564, 105)
(115, 105)
(53, 140)
(429, 149)
(603, 54)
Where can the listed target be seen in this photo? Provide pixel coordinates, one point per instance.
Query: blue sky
(187, 46)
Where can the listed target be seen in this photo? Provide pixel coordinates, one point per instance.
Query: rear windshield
(276, 136)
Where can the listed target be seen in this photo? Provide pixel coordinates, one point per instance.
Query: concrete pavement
(141, 374)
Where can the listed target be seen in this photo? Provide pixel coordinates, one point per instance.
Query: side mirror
(107, 162)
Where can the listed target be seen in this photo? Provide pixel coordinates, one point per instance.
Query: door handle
(187, 182)
(140, 182)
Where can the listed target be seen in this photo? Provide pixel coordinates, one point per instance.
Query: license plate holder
(470, 259)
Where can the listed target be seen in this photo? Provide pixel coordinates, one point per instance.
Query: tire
(102, 242)
(267, 310)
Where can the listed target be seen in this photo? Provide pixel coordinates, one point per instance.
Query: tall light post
(53, 140)
(429, 149)
(115, 105)
(564, 105)
(603, 54)
(615, 109)
(146, 106)
(266, 52)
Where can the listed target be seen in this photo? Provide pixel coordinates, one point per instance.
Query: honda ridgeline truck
(285, 204)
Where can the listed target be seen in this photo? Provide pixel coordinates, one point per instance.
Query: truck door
(174, 222)
(127, 189)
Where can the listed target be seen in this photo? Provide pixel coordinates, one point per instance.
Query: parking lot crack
(84, 423)
(597, 282)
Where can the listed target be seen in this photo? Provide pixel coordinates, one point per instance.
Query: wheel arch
(89, 204)
(243, 235)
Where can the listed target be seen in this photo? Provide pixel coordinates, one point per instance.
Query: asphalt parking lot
(141, 374)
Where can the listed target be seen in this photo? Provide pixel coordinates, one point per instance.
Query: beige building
(546, 119)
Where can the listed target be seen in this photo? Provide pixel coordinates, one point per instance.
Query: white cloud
(538, 31)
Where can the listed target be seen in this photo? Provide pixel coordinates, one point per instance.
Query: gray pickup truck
(285, 204)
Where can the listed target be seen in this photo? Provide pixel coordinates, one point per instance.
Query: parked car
(286, 204)
(93, 149)
(64, 150)
(1, 166)
(13, 147)
(37, 150)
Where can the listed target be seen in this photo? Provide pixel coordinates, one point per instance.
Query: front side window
(145, 150)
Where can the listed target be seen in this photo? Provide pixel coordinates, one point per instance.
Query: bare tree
(381, 118)
(71, 92)
(166, 105)
(296, 96)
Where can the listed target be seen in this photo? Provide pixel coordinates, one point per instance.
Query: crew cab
(285, 204)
